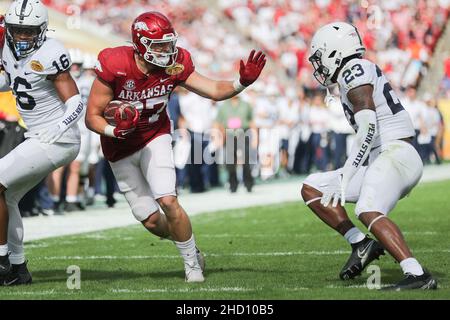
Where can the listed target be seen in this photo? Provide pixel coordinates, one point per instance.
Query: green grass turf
(271, 252)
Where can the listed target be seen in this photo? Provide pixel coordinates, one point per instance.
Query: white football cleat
(200, 259)
(194, 272)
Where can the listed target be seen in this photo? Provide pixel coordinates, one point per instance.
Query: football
(116, 110)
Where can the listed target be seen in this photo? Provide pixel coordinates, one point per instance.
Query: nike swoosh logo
(28, 73)
(5, 283)
(163, 80)
(362, 254)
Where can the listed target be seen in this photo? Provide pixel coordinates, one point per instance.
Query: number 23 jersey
(148, 93)
(37, 100)
(393, 120)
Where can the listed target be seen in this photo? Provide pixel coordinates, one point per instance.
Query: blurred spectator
(320, 127)
(234, 120)
(288, 120)
(197, 116)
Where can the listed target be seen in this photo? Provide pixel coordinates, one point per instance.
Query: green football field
(272, 252)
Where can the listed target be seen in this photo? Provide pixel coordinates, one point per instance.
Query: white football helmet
(330, 45)
(26, 24)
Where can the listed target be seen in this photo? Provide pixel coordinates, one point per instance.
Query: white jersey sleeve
(51, 59)
(393, 121)
(356, 73)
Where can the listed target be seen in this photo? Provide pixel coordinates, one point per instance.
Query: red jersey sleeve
(184, 58)
(103, 68)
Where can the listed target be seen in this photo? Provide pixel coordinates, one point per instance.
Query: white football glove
(329, 99)
(51, 135)
(334, 191)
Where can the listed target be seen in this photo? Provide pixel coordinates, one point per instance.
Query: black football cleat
(411, 282)
(18, 275)
(363, 253)
(5, 265)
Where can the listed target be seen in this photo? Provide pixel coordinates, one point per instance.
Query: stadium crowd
(290, 128)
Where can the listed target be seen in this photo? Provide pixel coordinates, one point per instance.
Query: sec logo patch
(129, 85)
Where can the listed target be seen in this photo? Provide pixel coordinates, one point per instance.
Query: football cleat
(193, 272)
(200, 259)
(5, 265)
(410, 282)
(363, 253)
(18, 275)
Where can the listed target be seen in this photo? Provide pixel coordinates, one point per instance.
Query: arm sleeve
(75, 110)
(367, 129)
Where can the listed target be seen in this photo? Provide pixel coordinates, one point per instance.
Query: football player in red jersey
(139, 149)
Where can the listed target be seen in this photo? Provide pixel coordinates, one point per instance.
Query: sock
(55, 199)
(187, 250)
(71, 199)
(17, 258)
(3, 249)
(411, 265)
(354, 235)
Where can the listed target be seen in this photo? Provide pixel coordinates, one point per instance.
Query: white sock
(3, 249)
(17, 258)
(187, 250)
(411, 265)
(71, 199)
(354, 235)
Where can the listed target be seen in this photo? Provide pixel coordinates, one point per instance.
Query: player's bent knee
(168, 203)
(152, 221)
(308, 193)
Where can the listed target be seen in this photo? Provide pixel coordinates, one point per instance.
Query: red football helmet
(155, 39)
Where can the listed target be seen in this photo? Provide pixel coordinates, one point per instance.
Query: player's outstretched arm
(222, 90)
(68, 93)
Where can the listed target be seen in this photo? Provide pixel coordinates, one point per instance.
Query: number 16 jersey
(393, 120)
(37, 100)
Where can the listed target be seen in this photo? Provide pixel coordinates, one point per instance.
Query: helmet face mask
(25, 39)
(155, 39)
(26, 25)
(162, 53)
(321, 72)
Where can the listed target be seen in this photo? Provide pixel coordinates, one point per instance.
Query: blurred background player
(384, 137)
(140, 147)
(37, 71)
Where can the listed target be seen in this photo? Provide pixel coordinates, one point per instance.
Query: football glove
(125, 126)
(251, 70)
(334, 191)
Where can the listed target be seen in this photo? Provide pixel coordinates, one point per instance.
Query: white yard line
(101, 219)
(186, 290)
(234, 254)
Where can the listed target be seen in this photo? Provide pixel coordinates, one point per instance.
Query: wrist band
(238, 87)
(109, 131)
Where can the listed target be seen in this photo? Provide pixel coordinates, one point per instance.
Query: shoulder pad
(52, 58)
